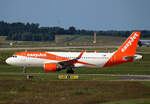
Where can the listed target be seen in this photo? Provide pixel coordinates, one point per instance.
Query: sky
(82, 14)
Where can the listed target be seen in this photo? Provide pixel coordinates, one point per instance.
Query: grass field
(41, 91)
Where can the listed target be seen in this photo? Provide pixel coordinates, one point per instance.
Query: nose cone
(8, 61)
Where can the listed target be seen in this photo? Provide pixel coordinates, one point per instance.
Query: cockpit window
(14, 56)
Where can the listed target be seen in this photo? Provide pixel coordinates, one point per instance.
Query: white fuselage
(89, 59)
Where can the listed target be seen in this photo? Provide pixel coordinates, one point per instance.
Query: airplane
(57, 61)
(144, 43)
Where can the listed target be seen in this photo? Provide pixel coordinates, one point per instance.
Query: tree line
(32, 32)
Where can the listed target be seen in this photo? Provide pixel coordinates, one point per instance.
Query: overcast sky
(83, 14)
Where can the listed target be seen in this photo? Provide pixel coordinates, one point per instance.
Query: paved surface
(73, 47)
(128, 77)
(121, 77)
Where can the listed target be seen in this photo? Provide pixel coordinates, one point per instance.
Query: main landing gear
(69, 70)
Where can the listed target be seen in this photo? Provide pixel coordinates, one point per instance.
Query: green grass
(72, 92)
(135, 101)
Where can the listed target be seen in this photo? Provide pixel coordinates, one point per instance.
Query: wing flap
(72, 61)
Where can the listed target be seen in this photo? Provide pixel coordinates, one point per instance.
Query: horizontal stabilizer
(129, 57)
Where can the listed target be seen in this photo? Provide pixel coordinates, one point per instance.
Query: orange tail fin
(128, 48)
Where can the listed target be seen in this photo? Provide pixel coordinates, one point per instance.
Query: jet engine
(50, 67)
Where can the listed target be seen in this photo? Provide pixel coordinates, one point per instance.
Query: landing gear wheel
(70, 71)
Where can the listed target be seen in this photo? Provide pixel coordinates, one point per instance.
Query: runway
(117, 77)
(128, 77)
(68, 47)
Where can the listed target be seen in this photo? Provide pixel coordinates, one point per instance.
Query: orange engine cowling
(50, 67)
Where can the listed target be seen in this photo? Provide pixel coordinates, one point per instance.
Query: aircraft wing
(72, 61)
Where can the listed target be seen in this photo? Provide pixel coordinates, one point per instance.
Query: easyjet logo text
(129, 43)
(36, 55)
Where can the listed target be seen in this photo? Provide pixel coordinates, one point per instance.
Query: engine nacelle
(50, 67)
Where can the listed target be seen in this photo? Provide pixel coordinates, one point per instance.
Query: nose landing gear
(24, 69)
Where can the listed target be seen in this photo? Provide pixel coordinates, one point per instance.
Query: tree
(72, 30)
(26, 36)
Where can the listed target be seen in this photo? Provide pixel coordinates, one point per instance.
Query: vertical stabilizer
(127, 49)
